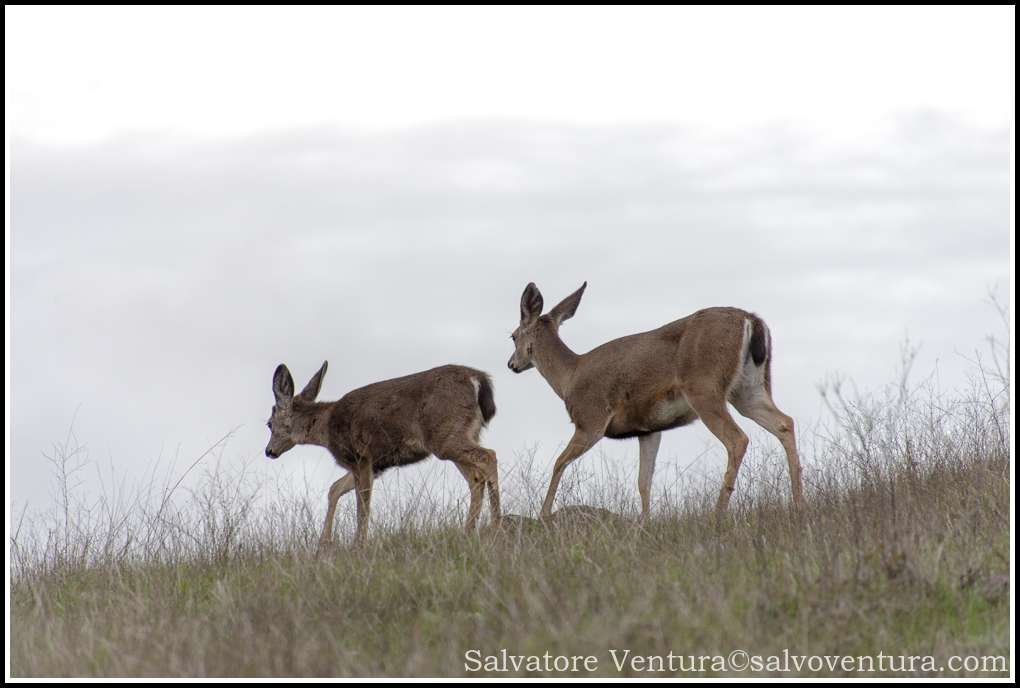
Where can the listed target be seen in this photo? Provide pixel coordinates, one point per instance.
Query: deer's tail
(486, 400)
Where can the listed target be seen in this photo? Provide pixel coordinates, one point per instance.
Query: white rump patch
(475, 428)
(747, 378)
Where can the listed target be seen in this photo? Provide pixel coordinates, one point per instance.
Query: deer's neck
(555, 361)
(311, 423)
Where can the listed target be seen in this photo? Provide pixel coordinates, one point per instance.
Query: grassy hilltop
(902, 548)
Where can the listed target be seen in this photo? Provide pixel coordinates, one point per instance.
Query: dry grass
(903, 548)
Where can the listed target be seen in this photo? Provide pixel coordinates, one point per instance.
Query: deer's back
(684, 343)
(404, 419)
(643, 377)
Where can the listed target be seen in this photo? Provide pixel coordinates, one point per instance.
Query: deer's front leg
(648, 448)
(336, 491)
(578, 445)
(363, 492)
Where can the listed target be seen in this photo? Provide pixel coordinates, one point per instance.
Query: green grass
(910, 565)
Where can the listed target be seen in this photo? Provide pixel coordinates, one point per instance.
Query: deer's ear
(566, 308)
(283, 385)
(531, 304)
(311, 390)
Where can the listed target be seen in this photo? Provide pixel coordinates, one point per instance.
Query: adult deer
(643, 384)
(391, 423)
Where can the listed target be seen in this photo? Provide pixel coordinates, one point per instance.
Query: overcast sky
(200, 194)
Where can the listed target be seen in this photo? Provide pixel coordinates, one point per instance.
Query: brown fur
(643, 384)
(393, 423)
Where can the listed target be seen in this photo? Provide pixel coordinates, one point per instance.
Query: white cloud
(79, 74)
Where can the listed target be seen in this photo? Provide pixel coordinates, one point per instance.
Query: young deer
(391, 423)
(642, 384)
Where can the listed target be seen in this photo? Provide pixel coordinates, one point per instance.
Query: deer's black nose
(271, 454)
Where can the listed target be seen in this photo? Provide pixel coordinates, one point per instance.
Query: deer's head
(283, 435)
(534, 326)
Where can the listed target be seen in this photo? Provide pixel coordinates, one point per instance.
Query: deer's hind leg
(479, 467)
(711, 408)
(492, 487)
(476, 487)
(757, 404)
